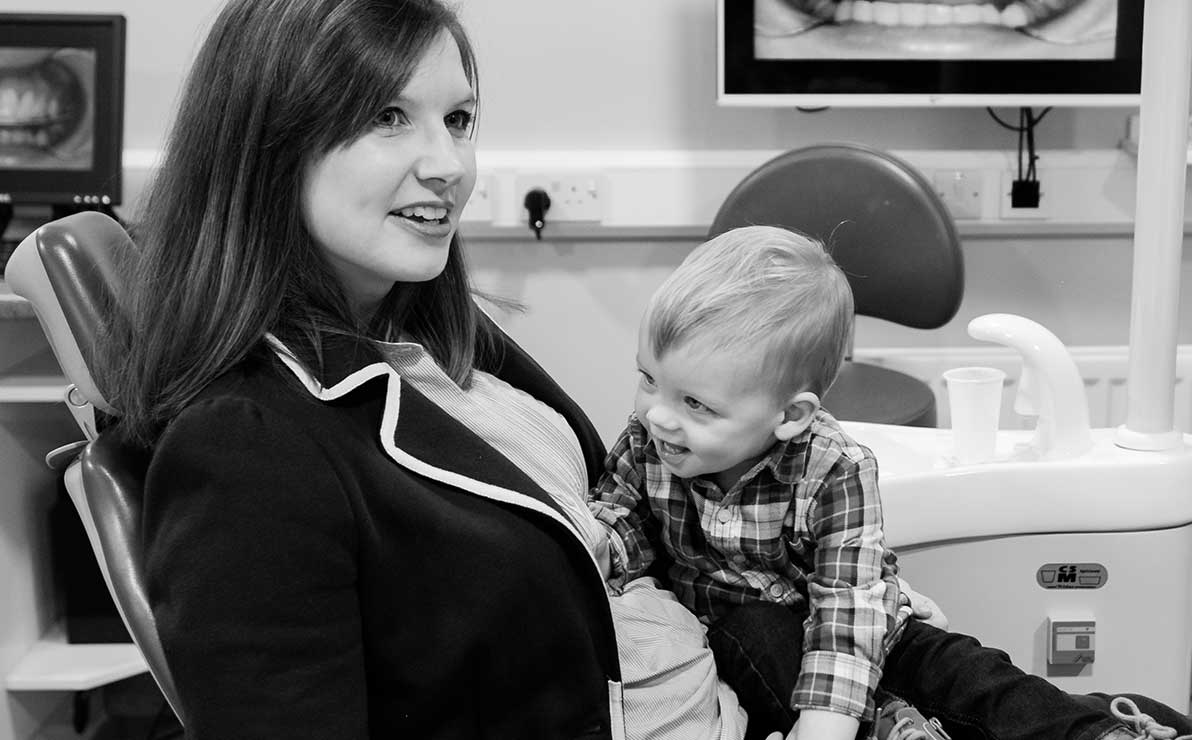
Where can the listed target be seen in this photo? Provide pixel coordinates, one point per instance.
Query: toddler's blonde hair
(760, 287)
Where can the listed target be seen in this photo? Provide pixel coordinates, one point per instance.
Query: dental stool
(891, 234)
(70, 271)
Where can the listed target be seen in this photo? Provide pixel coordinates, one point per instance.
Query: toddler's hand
(923, 608)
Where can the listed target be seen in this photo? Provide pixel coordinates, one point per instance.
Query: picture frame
(61, 108)
(794, 53)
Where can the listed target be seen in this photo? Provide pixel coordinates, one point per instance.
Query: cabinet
(39, 669)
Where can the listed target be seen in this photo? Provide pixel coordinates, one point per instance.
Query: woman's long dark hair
(225, 255)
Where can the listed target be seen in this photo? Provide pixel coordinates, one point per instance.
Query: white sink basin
(928, 498)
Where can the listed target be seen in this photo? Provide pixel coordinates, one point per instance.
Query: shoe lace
(1142, 723)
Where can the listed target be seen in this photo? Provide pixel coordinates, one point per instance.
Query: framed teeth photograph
(944, 52)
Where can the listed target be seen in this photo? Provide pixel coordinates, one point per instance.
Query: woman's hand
(923, 608)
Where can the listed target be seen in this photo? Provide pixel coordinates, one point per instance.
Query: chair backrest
(881, 219)
(72, 271)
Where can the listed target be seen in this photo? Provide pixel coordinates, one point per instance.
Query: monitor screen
(945, 52)
(61, 108)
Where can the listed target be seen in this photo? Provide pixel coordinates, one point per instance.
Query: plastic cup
(975, 401)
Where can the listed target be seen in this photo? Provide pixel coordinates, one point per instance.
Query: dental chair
(895, 239)
(70, 270)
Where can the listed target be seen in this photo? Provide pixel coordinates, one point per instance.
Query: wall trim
(673, 194)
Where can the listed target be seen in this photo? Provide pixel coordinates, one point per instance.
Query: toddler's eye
(695, 405)
(647, 379)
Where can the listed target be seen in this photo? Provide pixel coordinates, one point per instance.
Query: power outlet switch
(961, 190)
(481, 206)
(574, 196)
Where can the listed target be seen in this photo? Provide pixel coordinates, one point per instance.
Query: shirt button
(724, 516)
(776, 590)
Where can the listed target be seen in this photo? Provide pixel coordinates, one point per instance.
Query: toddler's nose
(660, 416)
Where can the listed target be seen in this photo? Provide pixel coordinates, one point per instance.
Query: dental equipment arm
(1050, 387)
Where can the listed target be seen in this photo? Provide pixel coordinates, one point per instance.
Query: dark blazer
(336, 558)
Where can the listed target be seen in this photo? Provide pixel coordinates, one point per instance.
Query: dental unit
(1072, 548)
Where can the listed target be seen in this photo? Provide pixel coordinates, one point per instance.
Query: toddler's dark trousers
(975, 691)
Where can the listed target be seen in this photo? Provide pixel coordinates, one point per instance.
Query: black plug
(1024, 194)
(537, 202)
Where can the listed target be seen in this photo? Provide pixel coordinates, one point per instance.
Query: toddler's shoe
(897, 720)
(1142, 726)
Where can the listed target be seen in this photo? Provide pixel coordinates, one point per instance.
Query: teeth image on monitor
(1002, 13)
(41, 105)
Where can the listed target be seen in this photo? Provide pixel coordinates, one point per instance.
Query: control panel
(1071, 641)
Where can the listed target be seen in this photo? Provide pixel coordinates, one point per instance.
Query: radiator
(1102, 368)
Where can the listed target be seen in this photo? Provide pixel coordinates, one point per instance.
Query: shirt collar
(784, 460)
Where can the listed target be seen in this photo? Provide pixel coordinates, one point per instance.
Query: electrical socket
(481, 206)
(1006, 209)
(574, 196)
(962, 191)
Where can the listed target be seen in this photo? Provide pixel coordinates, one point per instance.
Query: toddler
(763, 514)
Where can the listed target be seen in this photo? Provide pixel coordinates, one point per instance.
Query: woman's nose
(442, 159)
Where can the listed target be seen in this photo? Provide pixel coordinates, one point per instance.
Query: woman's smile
(431, 221)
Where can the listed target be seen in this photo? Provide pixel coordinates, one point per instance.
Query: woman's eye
(460, 121)
(390, 118)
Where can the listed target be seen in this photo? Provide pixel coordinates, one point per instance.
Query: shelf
(32, 388)
(53, 664)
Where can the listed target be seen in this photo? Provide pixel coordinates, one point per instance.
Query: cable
(1000, 122)
(1003, 124)
(1025, 190)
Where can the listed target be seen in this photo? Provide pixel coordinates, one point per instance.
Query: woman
(330, 552)
(360, 513)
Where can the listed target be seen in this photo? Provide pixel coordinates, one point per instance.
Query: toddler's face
(708, 411)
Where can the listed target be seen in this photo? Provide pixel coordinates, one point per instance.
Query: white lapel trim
(389, 433)
(349, 383)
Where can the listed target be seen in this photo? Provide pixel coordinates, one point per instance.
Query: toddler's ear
(800, 410)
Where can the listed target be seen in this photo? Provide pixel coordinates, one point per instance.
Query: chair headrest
(72, 271)
(879, 216)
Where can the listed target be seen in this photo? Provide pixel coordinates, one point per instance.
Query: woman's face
(383, 208)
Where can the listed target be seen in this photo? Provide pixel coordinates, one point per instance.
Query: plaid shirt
(803, 527)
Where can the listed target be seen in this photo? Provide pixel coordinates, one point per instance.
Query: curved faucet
(1050, 387)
